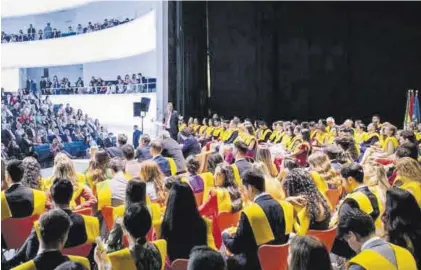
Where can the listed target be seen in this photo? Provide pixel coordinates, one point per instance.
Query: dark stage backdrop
(304, 60)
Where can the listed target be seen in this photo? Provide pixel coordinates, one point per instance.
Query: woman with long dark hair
(214, 160)
(315, 214)
(182, 226)
(195, 181)
(402, 221)
(308, 252)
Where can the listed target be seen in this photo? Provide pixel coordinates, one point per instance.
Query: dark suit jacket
(136, 136)
(171, 148)
(29, 250)
(191, 146)
(143, 153)
(50, 260)
(173, 124)
(242, 165)
(115, 151)
(20, 200)
(243, 244)
(163, 165)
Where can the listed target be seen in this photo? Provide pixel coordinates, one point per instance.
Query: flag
(411, 105)
(416, 110)
(407, 118)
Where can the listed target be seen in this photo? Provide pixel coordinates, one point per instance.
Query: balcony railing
(149, 87)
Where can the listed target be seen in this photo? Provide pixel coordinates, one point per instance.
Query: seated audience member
(118, 182)
(402, 221)
(375, 178)
(204, 258)
(117, 151)
(83, 229)
(264, 215)
(272, 185)
(334, 154)
(171, 149)
(240, 151)
(182, 227)
(154, 179)
(132, 166)
(373, 253)
(263, 155)
(264, 132)
(315, 215)
(320, 167)
(195, 181)
(156, 150)
(54, 227)
(232, 131)
(70, 265)
(142, 254)
(97, 168)
(226, 196)
(143, 151)
(191, 145)
(31, 173)
(360, 197)
(408, 177)
(83, 196)
(308, 252)
(19, 201)
(214, 160)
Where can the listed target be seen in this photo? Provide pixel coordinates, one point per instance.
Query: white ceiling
(14, 8)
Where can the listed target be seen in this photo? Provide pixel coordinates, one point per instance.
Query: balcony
(129, 39)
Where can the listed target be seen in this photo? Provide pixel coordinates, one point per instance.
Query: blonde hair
(263, 155)
(320, 163)
(150, 172)
(410, 168)
(64, 169)
(376, 176)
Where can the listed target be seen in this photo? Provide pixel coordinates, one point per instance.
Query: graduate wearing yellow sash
(264, 132)
(54, 227)
(265, 221)
(409, 177)
(373, 253)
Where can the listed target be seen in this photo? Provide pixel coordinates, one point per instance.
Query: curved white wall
(12, 8)
(135, 37)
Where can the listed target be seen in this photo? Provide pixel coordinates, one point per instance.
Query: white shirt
(151, 191)
(167, 124)
(369, 241)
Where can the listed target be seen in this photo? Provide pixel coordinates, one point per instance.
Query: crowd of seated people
(137, 83)
(29, 120)
(319, 196)
(50, 32)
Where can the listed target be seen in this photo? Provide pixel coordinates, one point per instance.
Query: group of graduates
(275, 186)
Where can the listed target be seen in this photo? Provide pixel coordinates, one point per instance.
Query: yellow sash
(123, 260)
(182, 126)
(224, 200)
(91, 228)
(209, 131)
(414, 187)
(237, 176)
(321, 137)
(359, 137)
(263, 134)
(76, 194)
(202, 129)
(302, 221)
(368, 136)
(365, 205)
(5, 210)
(371, 260)
(104, 194)
(30, 265)
(393, 140)
(209, 234)
(274, 135)
(319, 182)
(294, 143)
(196, 127)
(173, 166)
(208, 183)
(260, 224)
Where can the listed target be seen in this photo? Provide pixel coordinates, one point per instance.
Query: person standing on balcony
(31, 32)
(40, 35)
(48, 31)
(56, 34)
(79, 29)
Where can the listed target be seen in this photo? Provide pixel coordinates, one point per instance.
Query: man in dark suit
(156, 150)
(171, 121)
(143, 151)
(136, 136)
(191, 145)
(171, 149)
(243, 243)
(240, 151)
(61, 192)
(117, 151)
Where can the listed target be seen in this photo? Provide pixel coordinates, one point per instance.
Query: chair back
(84, 211)
(107, 213)
(327, 236)
(16, 230)
(179, 264)
(199, 198)
(333, 196)
(273, 257)
(81, 250)
(226, 220)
